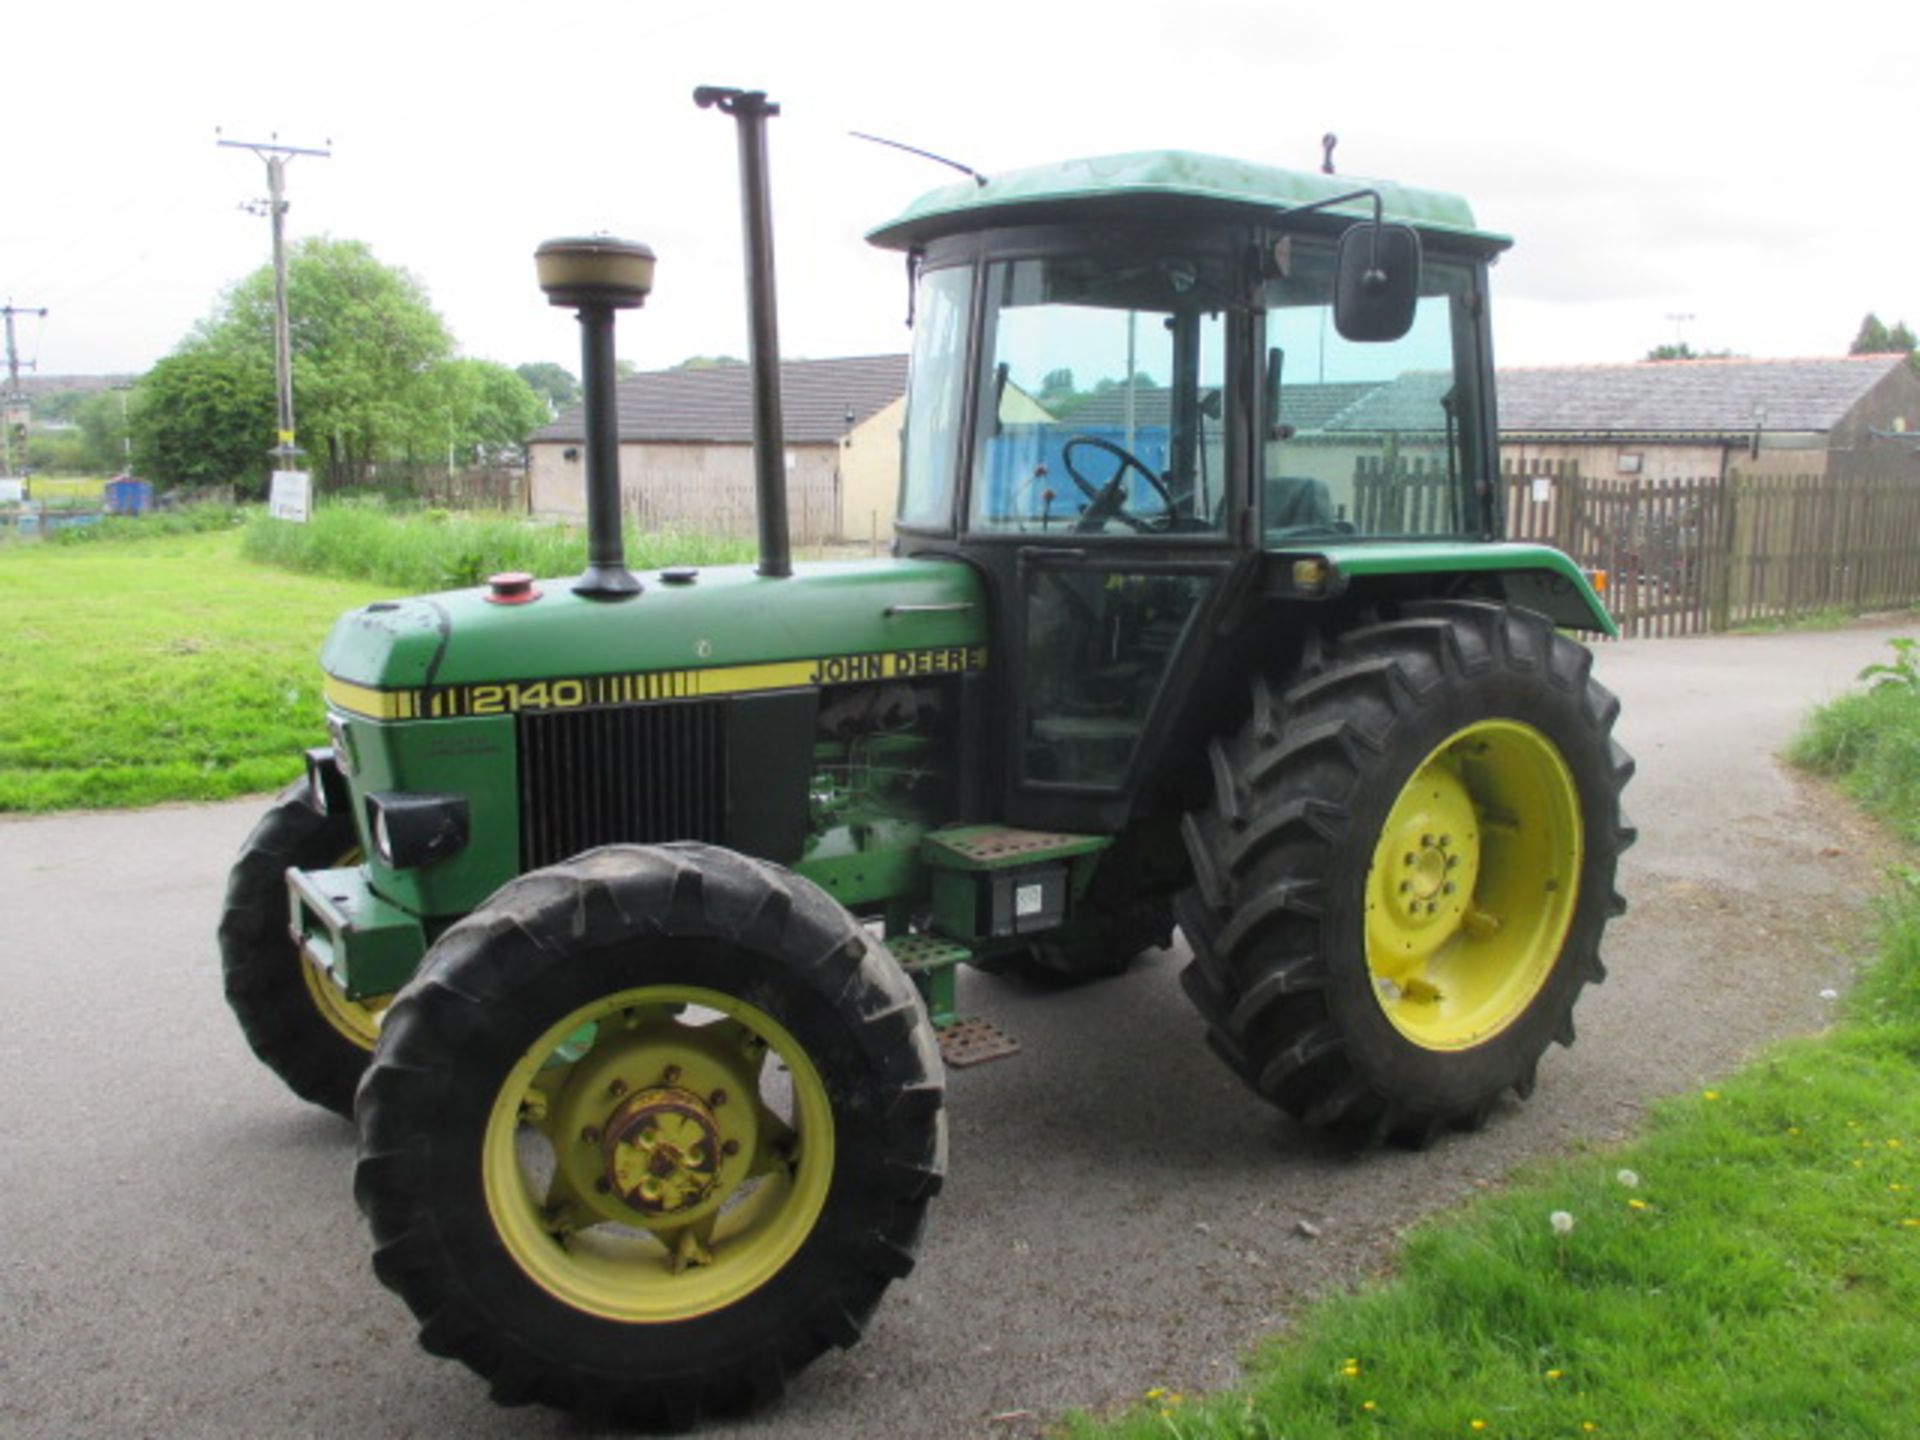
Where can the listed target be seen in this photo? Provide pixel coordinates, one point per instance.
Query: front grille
(643, 773)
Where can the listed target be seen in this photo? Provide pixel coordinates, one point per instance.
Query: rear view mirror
(1376, 281)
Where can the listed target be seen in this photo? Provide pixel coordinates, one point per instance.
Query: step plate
(974, 1042)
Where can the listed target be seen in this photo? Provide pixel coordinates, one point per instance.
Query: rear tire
(298, 1023)
(649, 1131)
(1405, 869)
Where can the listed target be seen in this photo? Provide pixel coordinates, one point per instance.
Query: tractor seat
(1294, 501)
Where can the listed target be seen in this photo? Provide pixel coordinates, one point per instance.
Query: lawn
(157, 669)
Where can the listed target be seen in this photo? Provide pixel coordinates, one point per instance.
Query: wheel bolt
(1409, 858)
(602, 1184)
(1426, 842)
(1448, 888)
(717, 1099)
(732, 1147)
(591, 1134)
(617, 1089)
(672, 1075)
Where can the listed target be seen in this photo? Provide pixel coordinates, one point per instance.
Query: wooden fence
(1689, 556)
(1695, 555)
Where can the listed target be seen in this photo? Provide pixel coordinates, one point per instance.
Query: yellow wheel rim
(659, 1154)
(1473, 885)
(356, 1021)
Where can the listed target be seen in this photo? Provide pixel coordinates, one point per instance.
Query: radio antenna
(966, 170)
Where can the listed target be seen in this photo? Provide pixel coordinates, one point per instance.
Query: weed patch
(427, 550)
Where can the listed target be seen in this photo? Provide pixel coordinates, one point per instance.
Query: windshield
(1378, 439)
(1102, 406)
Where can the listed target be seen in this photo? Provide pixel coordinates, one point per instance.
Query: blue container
(127, 496)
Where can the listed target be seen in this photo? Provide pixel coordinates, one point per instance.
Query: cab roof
(1065, 190)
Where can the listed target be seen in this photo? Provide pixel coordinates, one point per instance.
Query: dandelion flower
(1158, 1392)
(1368, 1405)
(1555, 1374)
(1562, 1222)
(1711, 1094)
(1636, 1204)
(1629, 1179)
(1479, 1424)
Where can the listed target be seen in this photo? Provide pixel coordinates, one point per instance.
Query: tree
(102, 418)
(489, 410)
(204, 416)
(374, 378)
(553, 383)
(364, 337)
(1876, 339)
(1683, 351)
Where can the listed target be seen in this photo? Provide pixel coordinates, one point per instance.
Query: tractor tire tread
(578, 913)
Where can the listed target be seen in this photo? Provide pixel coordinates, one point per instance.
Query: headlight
(326, 787)
(410, 830)
(343, 753)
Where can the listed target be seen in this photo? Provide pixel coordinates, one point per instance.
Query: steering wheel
(1109, 501)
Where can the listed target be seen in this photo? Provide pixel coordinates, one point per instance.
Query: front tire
(649, 1131)
(297, 1021)
(1405, 869)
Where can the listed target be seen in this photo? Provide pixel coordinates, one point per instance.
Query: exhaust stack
(598, 275)
(751, 109)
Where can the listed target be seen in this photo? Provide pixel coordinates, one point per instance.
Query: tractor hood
(725, 630)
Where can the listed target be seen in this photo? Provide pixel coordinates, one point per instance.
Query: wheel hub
(1431, 850)
(1473, 885)
(662, 1152)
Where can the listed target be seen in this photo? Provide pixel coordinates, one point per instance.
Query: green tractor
(623, 913)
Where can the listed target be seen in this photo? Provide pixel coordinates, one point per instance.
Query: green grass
(69, 490)
(1830, 618)
(159, 668)
(438, 550)
(1870, 741)
(1759, 1280)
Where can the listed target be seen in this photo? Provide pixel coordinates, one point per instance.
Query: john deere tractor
(623, 912)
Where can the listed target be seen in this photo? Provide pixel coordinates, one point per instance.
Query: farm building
(686, 449)
(1683, 419)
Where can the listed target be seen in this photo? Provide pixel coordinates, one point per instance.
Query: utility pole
(276, 156)
(17, 409)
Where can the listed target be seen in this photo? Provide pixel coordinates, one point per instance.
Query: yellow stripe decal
(510, 697)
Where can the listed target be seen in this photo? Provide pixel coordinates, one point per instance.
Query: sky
(1741, 178)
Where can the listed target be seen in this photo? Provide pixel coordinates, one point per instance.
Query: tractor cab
(1148, 387)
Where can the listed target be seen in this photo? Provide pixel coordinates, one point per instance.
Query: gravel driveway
(181, 1255)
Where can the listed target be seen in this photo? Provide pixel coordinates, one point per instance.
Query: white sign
(292, 495)
(1542, 489)
(12, 492)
